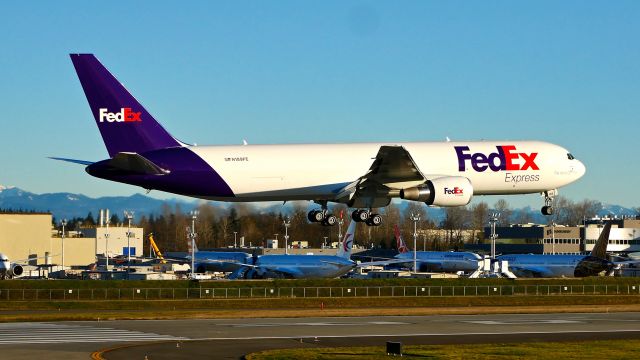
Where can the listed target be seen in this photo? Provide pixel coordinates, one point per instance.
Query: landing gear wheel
(547, 210)
(311, 216)
(330, 220)
(374, 220)
(360, 215)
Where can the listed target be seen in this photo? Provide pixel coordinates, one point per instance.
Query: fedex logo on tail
(125, 115)
(506, 157)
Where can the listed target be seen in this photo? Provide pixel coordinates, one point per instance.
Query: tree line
(215, 226)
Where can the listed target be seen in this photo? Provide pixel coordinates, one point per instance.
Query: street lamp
(192, 236)
(235, 242)
(129, 216)
(287, 223)
(63, 223)
(553, 238)
(106, 240)
(493, 220)
(415, 218)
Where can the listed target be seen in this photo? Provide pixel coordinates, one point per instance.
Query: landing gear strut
(322, 216)
(366, 217)
(547, 209)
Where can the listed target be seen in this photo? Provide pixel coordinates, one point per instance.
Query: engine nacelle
(444, 191)
(15, 270)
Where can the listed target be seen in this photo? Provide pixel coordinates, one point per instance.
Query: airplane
(550, 266)
(9, 270)
(216, 261)
(308, 266)
(437, 261)
(143, 153)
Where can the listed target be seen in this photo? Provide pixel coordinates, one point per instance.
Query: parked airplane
(532, 265)
(9, 270)
(309, 266)
(217, 261)
(144, 154)
(436, 261)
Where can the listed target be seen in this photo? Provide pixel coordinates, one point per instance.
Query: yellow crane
(156, 249)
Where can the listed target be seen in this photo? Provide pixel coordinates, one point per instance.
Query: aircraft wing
(392, 168)
(393, 164)
(286, 271)
(536, 271)
(382, 262)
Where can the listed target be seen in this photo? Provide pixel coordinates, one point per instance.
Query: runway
(232, 338)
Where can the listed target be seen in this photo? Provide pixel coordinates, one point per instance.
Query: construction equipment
(156, 250)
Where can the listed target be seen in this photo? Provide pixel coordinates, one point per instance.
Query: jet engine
(444, 191)
(15, 270)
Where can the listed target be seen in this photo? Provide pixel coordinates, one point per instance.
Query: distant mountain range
(68, 205)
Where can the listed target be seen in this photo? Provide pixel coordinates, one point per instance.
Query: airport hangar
(539, 239)
(33, 236)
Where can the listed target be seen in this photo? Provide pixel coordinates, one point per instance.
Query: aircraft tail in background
(400, 244)
(600, 248)
(125, 125)
(346, 245)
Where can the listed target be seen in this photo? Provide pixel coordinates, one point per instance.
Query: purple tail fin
(124, 124)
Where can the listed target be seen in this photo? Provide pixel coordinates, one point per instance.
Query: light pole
(287, 223)
(192, 236)
(106, 242)
(553, 238)
(340, 222)
(235, 242)
(415, 218)
(493, 220)
(129, 216)
(63, 223)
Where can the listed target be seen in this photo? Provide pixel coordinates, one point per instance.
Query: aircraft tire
(330, 220)
(375, 219)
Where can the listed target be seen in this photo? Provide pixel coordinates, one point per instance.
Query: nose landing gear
(547, 209)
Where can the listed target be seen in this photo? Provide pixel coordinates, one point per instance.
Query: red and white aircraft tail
(400, 244)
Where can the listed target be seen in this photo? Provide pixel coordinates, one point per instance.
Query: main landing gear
(547, 209)
(366, 217)
(325, 218)
(322, 216)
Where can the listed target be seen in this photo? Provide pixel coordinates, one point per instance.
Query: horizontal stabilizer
(81, 162)
(136, 163)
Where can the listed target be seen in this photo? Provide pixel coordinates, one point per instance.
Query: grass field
(606, 349)
(239, 308)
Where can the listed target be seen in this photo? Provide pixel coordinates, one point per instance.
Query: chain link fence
(311, 292)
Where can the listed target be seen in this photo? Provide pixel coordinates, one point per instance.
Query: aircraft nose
(579, 169)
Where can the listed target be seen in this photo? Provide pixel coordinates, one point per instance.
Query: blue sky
(566, 72)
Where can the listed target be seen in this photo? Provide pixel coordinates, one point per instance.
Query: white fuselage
(317, 171)
(442, 261)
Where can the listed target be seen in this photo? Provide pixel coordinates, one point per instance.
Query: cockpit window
(571, 157)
